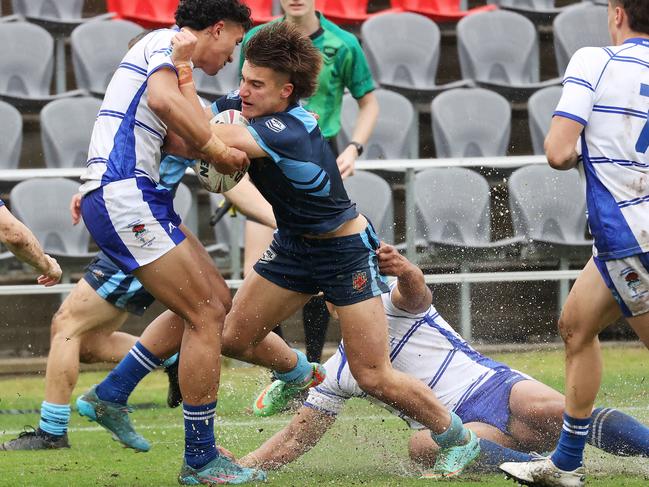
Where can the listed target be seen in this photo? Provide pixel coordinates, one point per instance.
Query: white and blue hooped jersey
(127, 137)
(607, 91)
(421, 345)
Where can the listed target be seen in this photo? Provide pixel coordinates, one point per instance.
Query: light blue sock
(569, 454)
(170, 361)
(303, 370)
(618, 433)
(54, 418)
(455, 434)
(121, 381)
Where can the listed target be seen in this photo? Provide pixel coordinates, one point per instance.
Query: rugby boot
(452, 461)
(543, 472)
(34, 439)
(113, 417)
(276, 396)
(221, 470)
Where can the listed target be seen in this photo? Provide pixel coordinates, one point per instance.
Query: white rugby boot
(542, 472)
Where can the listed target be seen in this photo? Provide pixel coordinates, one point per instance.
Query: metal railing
(410, 167)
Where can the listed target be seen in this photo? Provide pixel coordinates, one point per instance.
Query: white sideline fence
(409, 167)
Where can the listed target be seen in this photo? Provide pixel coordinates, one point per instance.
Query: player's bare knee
(575, 336)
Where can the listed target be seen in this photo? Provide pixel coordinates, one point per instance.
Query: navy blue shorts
(345, 269)
(121, 290)
(490, 403)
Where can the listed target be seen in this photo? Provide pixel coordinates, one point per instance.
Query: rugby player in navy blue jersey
(322, 245)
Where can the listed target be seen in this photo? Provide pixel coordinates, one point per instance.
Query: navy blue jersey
(299, 178)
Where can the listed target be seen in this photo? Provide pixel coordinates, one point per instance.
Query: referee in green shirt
(344, 66)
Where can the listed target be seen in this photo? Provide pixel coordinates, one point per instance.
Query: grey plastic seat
(224, 228)
(538, 11)
(66, 128)
(183, 201)
(395, 135)
(26, 66)
(406, 60)
(453, 211)
(11, 135)
(548, 208)
(471, 123)
(223, 82)
(500, 51)
(48, 216)
(373, 197)
(540, 108)
(579, 26)
(97, 49)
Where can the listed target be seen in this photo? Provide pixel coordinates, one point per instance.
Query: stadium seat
(440, 10)
(373, 197)
(185, 206)
(347, 11)
(66, 128)
(48, 217)
(548, 208)
(395, 135)
(26, 66)
(11, 135)
(150, 14)
(577, 27)
(471, 123)
(405, 61)
(453, 211)
(223, 234)
(500, 51)
(538, 11)
(226, 80)
(59, 18)
(540, 108)
(97, 49)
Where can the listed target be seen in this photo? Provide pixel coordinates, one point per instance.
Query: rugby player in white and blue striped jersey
(602, 112)
(133, 222)
(507, 409)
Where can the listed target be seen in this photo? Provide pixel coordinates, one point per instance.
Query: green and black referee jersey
(344, 66)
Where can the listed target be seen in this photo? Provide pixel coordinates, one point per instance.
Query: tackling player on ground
(508, 410)
(602, 112)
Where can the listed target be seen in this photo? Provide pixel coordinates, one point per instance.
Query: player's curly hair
(282, 48)
(638, 13)
(200, 14)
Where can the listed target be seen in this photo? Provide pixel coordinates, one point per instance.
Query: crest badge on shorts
(359, 281)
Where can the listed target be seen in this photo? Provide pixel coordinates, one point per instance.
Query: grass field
(366, 447)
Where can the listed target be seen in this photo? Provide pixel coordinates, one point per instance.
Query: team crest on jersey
(268, 255)
(142, 234)
(275, 125)
(359, 281)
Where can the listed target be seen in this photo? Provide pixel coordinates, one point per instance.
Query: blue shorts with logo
(114, 286)
(628, 280)
(490, 403)
(344, 269)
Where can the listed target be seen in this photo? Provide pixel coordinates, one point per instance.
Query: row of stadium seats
(453, 209)
(458, 129)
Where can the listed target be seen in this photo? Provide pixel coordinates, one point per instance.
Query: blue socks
(569, 454)
(301, 372)
(492, 455)
(54, 419)
(200, 445)
(618, 433)
(456, 434)
(121, 381)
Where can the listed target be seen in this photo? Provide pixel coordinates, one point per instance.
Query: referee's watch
(359, 147)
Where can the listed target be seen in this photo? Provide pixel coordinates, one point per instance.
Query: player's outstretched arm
(411, 294)
(561, 143)
(23, 244)
(247, 198)
(287, 445)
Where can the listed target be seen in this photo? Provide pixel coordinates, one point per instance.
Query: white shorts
(628, 280)
(132, 221)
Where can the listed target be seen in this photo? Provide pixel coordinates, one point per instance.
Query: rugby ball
(208, 177)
